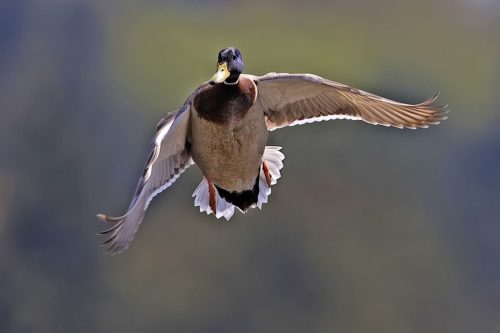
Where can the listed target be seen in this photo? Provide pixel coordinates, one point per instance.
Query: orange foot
(211, 199)
(266, 173)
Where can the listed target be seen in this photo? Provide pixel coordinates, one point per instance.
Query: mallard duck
(223, 128)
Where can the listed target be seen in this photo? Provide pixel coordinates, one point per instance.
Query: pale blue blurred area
(371, 229)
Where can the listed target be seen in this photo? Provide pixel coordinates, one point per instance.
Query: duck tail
(226, 202)
(202, 199)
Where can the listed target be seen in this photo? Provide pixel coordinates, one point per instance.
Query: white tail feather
(202, 200)
(274, 161)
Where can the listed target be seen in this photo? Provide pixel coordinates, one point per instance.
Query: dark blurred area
(371, 229)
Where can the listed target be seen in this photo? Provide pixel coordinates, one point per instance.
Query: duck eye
(234, 57)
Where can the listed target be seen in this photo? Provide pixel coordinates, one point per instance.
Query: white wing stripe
(316, 119)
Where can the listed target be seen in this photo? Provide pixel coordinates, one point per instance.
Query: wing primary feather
(169, 157)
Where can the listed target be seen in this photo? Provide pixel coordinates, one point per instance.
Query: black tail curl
(243, 200)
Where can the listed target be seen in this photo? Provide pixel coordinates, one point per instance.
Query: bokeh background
(371, 229)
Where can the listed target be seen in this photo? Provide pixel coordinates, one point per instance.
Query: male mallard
(223, 128)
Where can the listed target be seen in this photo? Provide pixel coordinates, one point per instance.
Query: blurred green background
(371, 229)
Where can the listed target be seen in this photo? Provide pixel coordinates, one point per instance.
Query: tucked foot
(212, 197)
(266, 173)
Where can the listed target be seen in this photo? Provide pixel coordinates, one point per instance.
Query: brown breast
(228, 135)
(223, 103)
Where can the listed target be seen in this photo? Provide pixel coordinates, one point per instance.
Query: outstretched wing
(294, 99)
(169, 157)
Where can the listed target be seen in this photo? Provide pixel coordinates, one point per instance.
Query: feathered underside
(274, 163)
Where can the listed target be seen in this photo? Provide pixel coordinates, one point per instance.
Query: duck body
(228, 138)
(223, 128)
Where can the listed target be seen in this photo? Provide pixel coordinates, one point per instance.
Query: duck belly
(230, 154)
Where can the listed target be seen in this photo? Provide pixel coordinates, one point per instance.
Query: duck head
(229, 66)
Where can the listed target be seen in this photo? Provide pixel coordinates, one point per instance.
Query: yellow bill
(221, 74)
